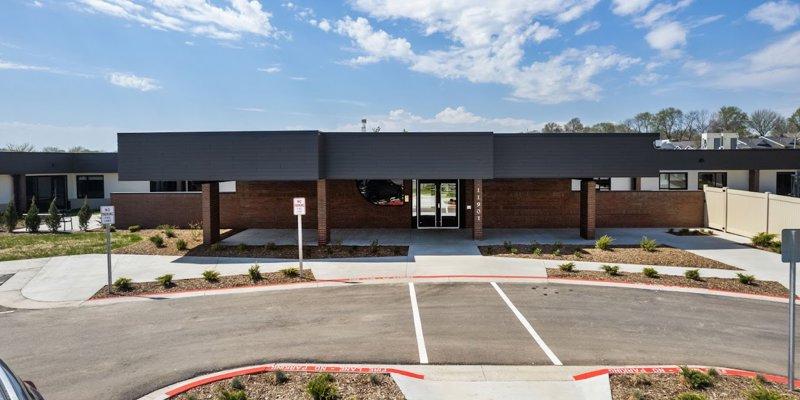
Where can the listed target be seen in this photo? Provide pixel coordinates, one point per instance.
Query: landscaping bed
(181, 285)
(20, 246)
(266, 386)
(663, 255)
(671, 386)
(757, 287)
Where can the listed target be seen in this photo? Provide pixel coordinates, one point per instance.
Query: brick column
(587, 214)
(323, 230)
(753, 184)
(20, 196)
(210, 213)
(477, 210)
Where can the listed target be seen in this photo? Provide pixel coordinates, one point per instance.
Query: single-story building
(428, 180)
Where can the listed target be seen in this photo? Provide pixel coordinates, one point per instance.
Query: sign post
(300, 210)
(107, 219)
(790, 241)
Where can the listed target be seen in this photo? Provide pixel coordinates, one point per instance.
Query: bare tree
(642, 123)
(552, 127)
(574, 125)
(81, 149)
(668, 121)
(763, 121)
(52, 149)
(25, 147)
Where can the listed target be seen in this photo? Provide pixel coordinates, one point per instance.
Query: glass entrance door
(437, 204)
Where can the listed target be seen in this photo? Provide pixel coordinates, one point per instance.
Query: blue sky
(75, 72)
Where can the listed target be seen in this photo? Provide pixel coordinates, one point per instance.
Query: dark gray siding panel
(421, 155)
(728, 159)
(57, 163)
(219, 156)
(572, 155)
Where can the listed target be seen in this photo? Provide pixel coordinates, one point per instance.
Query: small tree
(33, 220)
(10, 217)
(84, 215)
(53, 219)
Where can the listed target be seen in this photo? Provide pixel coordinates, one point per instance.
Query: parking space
(470, 324)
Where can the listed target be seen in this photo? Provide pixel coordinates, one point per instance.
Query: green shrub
(164, 227)
(637, 394)
(321, 388)
(157, 240)
(170, 233)
(10, 217)
(514, 250)
(604, 243)
(650, 272)
(694, 379)
(375, 379)
(123, 284)
(236, 384)
(374, 247)
(692, 274)
(32, 219)
(270, 246)
(234, 395)
(567, 267)
(691, 396)
(558, 244)
(713, 373)
(577, 254)
(216, 247)
(745, 279)
(211, 275)
(165, 280)
(112, 228)
(290, 272)
(759, 380)
(84, 214)
(490, 250)
(53, 219)
(254, 272)
(762, 393)
(180, 244)
(611, 270)
(775, 246)
(507, 244)
(640, 380)
(763, 239)
(281, 377)
(537, 251)
(556, 252)
(241, 247)
(134, 228)
(648, 245)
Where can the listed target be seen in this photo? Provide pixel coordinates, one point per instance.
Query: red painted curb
(675, 370)
(290, 368)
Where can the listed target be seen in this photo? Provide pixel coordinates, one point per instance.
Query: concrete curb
(184, 386)
(674, 369)
(430, 278)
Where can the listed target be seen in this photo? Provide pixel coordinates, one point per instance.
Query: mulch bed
(195, 247)
(757, 287)
(264, 386)
(669, 386)
(664, 255)
(180, 285)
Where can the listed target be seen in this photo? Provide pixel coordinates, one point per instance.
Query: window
(381, 192)
(603, 184)
(713, 179)
(673, 181)
(90, 186)
(163, 186)
(783, 183)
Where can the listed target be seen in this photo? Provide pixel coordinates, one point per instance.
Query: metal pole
(792, 287)
(108, 253)
(300, 241)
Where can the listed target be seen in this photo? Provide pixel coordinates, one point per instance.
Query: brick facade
(523, 203)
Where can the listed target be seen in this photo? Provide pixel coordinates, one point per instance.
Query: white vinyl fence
(748, 213)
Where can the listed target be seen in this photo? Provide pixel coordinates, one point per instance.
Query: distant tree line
(29, 148)
(674, 124)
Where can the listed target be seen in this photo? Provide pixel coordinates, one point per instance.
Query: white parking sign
(299, 206)
(106, 215)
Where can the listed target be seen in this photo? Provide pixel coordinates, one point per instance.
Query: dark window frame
(163, 186)
(83, 192)
(670, 180)
(718, 180)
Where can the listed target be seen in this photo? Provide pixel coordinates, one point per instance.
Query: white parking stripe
(423, 353)
(527, 325)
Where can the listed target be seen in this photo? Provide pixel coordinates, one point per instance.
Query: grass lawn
(21, 246)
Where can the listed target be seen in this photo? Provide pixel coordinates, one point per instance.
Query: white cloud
(132, 81)
(252, 109)
(667, 37)
(188, 43)
(47, 134)
(298, 78)
(270, 70)
(777, 14)
(628, 7)
(661, 10)
(776, 68)
(449, 119)
(10, 65)
(325, 25)
(648, 79)
(488, 45)
(198, 17)
(37, 4)
(587, 27)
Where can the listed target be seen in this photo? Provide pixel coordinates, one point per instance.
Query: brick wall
(348, 209)
(650, 209)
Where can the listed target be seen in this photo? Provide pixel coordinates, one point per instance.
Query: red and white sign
(299, 206)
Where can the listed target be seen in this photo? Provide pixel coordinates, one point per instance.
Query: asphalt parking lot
(123, 351)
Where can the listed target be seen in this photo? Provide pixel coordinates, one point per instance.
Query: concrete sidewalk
(68, 281)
